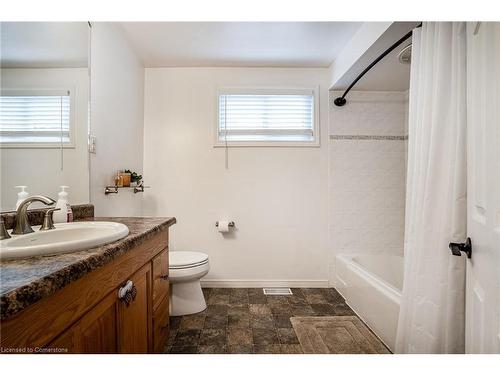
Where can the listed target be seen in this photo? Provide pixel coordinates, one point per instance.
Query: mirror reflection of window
(44, 96)
(35, 117)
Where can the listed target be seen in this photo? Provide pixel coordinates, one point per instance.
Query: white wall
(367, 176)
(117, 119)
(277, 196)
(40, 169)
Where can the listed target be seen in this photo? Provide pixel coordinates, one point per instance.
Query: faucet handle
(3, 231)
(48, 223)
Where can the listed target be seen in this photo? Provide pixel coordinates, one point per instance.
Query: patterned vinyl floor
(247, 321)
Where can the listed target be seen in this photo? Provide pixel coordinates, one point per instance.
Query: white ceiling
(273, 44)
(44, 44)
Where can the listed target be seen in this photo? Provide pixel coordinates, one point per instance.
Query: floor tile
(210, 337)
(239, 310)
(221, 291)
(215, 321)
(187, 338)
(238, 300)
(239, 321)
(267, 349)
(192, 322)
(264, 337)
(323, 309)
(287, 336)
(281, 309)
(262, 321)
(259, 309)
(239, 336)
(171, 337)
(183, 350)
(277, 300)
(316, 298)
(282, 321)
(256, 296)
(342, 309)
(175, 322)
(212, 349)
(240, 349)
(305, 310)
(239, 292)
(217, 310)
(332, 296)
(291, 349)
(218, 299)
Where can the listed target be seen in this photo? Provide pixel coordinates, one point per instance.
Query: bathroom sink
(65, 238)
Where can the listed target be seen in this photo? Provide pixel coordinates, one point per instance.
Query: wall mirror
(44, 110)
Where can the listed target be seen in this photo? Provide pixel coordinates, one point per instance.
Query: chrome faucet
(22, 224)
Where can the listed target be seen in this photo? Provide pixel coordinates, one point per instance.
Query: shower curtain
(432, 313)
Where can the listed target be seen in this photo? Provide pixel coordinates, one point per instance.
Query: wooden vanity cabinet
(138, 323)
(161, 292)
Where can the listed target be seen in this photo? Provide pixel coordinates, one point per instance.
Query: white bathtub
(371, 285)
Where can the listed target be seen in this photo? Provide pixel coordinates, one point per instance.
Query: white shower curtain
(432, 314)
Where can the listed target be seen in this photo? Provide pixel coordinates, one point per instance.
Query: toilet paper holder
(231, 224)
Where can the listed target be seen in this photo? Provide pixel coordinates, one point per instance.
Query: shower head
(404, 56)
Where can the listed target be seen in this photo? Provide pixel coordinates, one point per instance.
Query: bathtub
(371, 285)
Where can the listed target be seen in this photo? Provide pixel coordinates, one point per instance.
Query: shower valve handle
(457, 248)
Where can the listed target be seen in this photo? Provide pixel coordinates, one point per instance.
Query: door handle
(457, 248)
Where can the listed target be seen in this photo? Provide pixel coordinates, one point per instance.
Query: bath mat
(336, 335)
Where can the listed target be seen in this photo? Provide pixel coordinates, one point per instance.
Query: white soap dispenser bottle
(65, 214)
(22, 195)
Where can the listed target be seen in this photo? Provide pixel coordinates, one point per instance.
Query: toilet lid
(186, 259)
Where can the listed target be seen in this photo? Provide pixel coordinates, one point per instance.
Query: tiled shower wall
(367, 151)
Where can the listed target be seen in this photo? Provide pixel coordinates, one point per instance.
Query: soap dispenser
(65, 214)
(21, 195)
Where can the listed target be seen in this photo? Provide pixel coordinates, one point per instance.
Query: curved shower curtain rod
(341, 100)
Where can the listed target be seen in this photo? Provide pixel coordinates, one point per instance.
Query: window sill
(36, 145)
(298, 144)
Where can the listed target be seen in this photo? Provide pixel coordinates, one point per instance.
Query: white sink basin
(66, 238)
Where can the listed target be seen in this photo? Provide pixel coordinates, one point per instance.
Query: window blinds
(34, 119)
(266, 117)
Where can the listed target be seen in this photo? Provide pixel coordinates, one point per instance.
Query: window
(35, 118)
(266, 117)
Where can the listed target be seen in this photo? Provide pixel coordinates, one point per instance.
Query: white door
(483, 188)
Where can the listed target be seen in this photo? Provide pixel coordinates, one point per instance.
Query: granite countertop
(26, 281)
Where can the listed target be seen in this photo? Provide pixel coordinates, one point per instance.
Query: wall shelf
(114, 189)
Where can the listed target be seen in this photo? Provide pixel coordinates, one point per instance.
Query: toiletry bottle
(119, 179)
(22, 195)
(65, 214)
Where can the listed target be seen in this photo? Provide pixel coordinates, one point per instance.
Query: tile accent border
(370, 137)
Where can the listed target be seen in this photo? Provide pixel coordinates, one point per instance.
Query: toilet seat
(186, 259)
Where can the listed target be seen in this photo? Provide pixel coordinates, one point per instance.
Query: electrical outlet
(92, 144)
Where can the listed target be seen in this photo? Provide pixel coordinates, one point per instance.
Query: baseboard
(238, 283)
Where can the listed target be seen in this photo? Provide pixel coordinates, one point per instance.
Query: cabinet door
(161, 326)
(160, 278)
(134, 318)
(95, 332)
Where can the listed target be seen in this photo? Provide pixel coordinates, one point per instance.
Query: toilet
(186, 268)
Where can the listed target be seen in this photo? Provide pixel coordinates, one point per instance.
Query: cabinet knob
(164, 277)
(128, 292)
